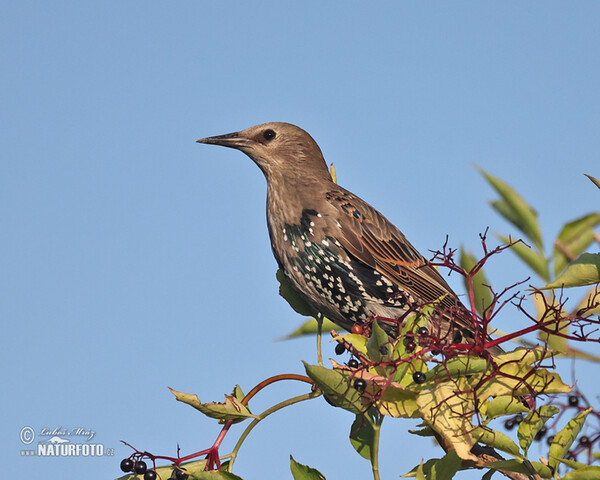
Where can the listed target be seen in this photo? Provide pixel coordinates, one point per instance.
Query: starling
(343, 257)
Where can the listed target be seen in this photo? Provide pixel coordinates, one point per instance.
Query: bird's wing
(371, 238)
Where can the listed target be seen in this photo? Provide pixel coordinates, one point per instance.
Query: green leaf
(594, 180)
(336, 387)
(575, 237)
(483, 296)
(590, 473)
(378, 342)
(576, 465)
(521, 214)
(536, 261)
(397, 401)
(362, 436)
(445, 467)
(214, 475)
(583, 271)
(359, 342)
(195, 469)
(459, 366)
(425, 468)
(292, 297)
(515, 375)
(310, 328)
(238, 393)
(519, 466)
(565, 438)
(488, 475)
(500, 406)
(496, 440)
(303, 472)
(532, 424)
(230, 409)
(420, 475)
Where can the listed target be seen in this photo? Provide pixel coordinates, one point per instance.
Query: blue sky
(135, 259)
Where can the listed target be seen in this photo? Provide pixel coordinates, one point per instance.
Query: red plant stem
(276, 378)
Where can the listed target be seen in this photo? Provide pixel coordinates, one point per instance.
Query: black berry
(180, 475)
(549, 440)
(419, 377)
(360, 384)
(140, 467)
(353, 363)
(150, 475)
(339, 349)
(584, 440)
(509, 424)
(518, 418)
(127, 465)
(410, 346)
(541, 433)
(423, 331)
(573, 400)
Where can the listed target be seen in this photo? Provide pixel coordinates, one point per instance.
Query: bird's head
(281, 150)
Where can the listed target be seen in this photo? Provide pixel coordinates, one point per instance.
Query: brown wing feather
(372, 239)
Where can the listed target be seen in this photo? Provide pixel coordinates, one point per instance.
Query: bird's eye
(269, 135)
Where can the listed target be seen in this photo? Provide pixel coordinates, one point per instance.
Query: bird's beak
(231, 140)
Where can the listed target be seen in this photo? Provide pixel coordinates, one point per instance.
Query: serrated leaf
(575, 237)
(291, 296)
(230, 409)
(522, 215)
(496, 440)
(310, 327)
(594, 180)
(336, 387)
(237, 393)
(532, 424)
(518, 466)
(536, 261)
(304, 472)
(362, 436)
(565, 438)
(481, 292)
(445, 467)
(583, 271)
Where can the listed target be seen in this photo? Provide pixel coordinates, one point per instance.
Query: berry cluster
(139, 467)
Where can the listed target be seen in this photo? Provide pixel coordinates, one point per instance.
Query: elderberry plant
(463, 394)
